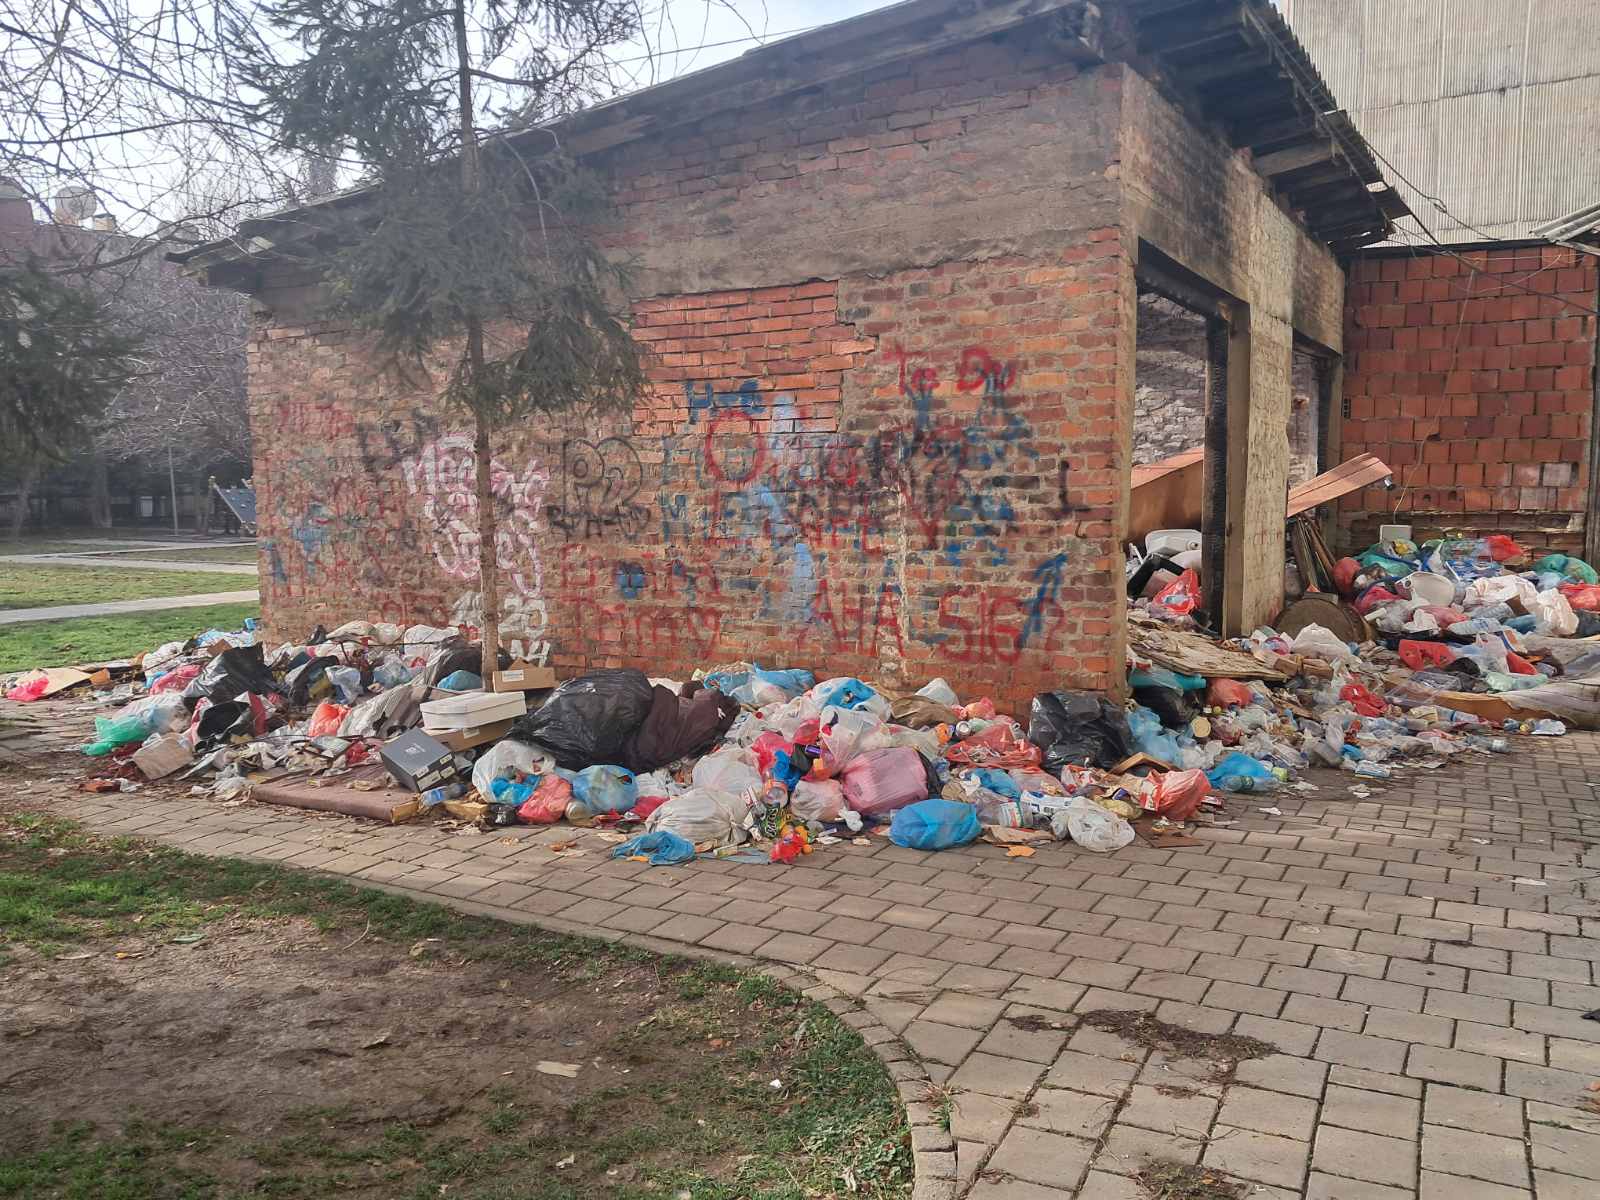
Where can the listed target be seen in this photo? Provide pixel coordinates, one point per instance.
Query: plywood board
(1166, 495)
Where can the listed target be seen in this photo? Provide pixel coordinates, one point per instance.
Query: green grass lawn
(735, 1088)
(98, 639)
(28, 586)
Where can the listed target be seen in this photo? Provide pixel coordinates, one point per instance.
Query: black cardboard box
(418, 761)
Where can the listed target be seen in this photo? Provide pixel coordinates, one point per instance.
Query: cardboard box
(470, 710)
(466, 739)
(162, 755)
(522, 677)
(418, 761)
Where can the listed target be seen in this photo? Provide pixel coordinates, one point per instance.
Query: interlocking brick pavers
(1424, 1007)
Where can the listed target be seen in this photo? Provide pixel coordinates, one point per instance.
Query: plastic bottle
(1249, 783)
(1492, 745)
(449, 791)
(1369, 770)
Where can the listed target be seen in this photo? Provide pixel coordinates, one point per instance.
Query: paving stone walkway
(63, 612)
(1419, 962)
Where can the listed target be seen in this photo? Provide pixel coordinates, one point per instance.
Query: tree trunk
(488, 567)
(202, 500)
(99, 493)
(25, 486)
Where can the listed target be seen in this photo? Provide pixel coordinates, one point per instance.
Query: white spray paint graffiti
(444, 476)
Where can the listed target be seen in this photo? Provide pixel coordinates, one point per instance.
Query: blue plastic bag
(934, 825)
(1162, 677)
(1238, 765)
(662, 848)
(606, 788)
(1150, 737)
(846, 693)
(996, 781)
(461, 681)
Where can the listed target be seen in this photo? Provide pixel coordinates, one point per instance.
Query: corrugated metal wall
(1490, 106)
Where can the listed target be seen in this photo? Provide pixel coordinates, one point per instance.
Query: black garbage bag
(590, 719)
(1080, 729)
(678, 726)
(301, 681)
(236, 670)
(225, 722)
(1170, 704)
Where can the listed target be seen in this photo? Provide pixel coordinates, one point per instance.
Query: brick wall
(1474, 380)
(883, 435)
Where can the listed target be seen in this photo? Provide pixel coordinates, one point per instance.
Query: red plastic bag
(1362, 700)
(1503, 548)
(1182, 595)
(1517, 665)
(327, 718)
(1372, 597)
(1344, 575)
(645, 805)
(31, 690)
(1000, 745)
(982, 709)
(1229, 693)
(548, 804)
(176, 679)
(1176, 794)
(1582, 596)
(1421, 655)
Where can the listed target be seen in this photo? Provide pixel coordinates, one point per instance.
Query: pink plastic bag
(881, 781)
(176, 679)
(548, 804)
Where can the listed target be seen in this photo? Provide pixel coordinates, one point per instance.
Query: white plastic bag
(817, 800)
(505, 759)
(1320, 642)
(1500, 589)
(352, 630)
(939, 692)
(1553, 613)
(847, 733)
(701, 816)
(729, 771)
(1093, 828)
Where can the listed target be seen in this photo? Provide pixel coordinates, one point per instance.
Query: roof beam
(1295, 158)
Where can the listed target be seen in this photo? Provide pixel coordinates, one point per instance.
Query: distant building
(1490, 106)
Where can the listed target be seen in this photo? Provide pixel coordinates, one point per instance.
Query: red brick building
(888, 272)
(1472, 373)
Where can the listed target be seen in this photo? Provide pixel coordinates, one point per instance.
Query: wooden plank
(1169, 496)
(1295, 158)
(1347, 477)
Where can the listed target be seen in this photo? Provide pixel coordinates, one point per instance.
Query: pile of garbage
(768, 765)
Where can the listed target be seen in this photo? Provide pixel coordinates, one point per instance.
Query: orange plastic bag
(1002, 744)
(1582, 596)
(1229, 693)
(1503, 548)
(1182, 595)
(548, 804)
(1174, 795)
(327, 718)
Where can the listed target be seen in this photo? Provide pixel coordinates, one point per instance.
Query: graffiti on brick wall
(443, 477)
(759, 502)
(601, 483)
